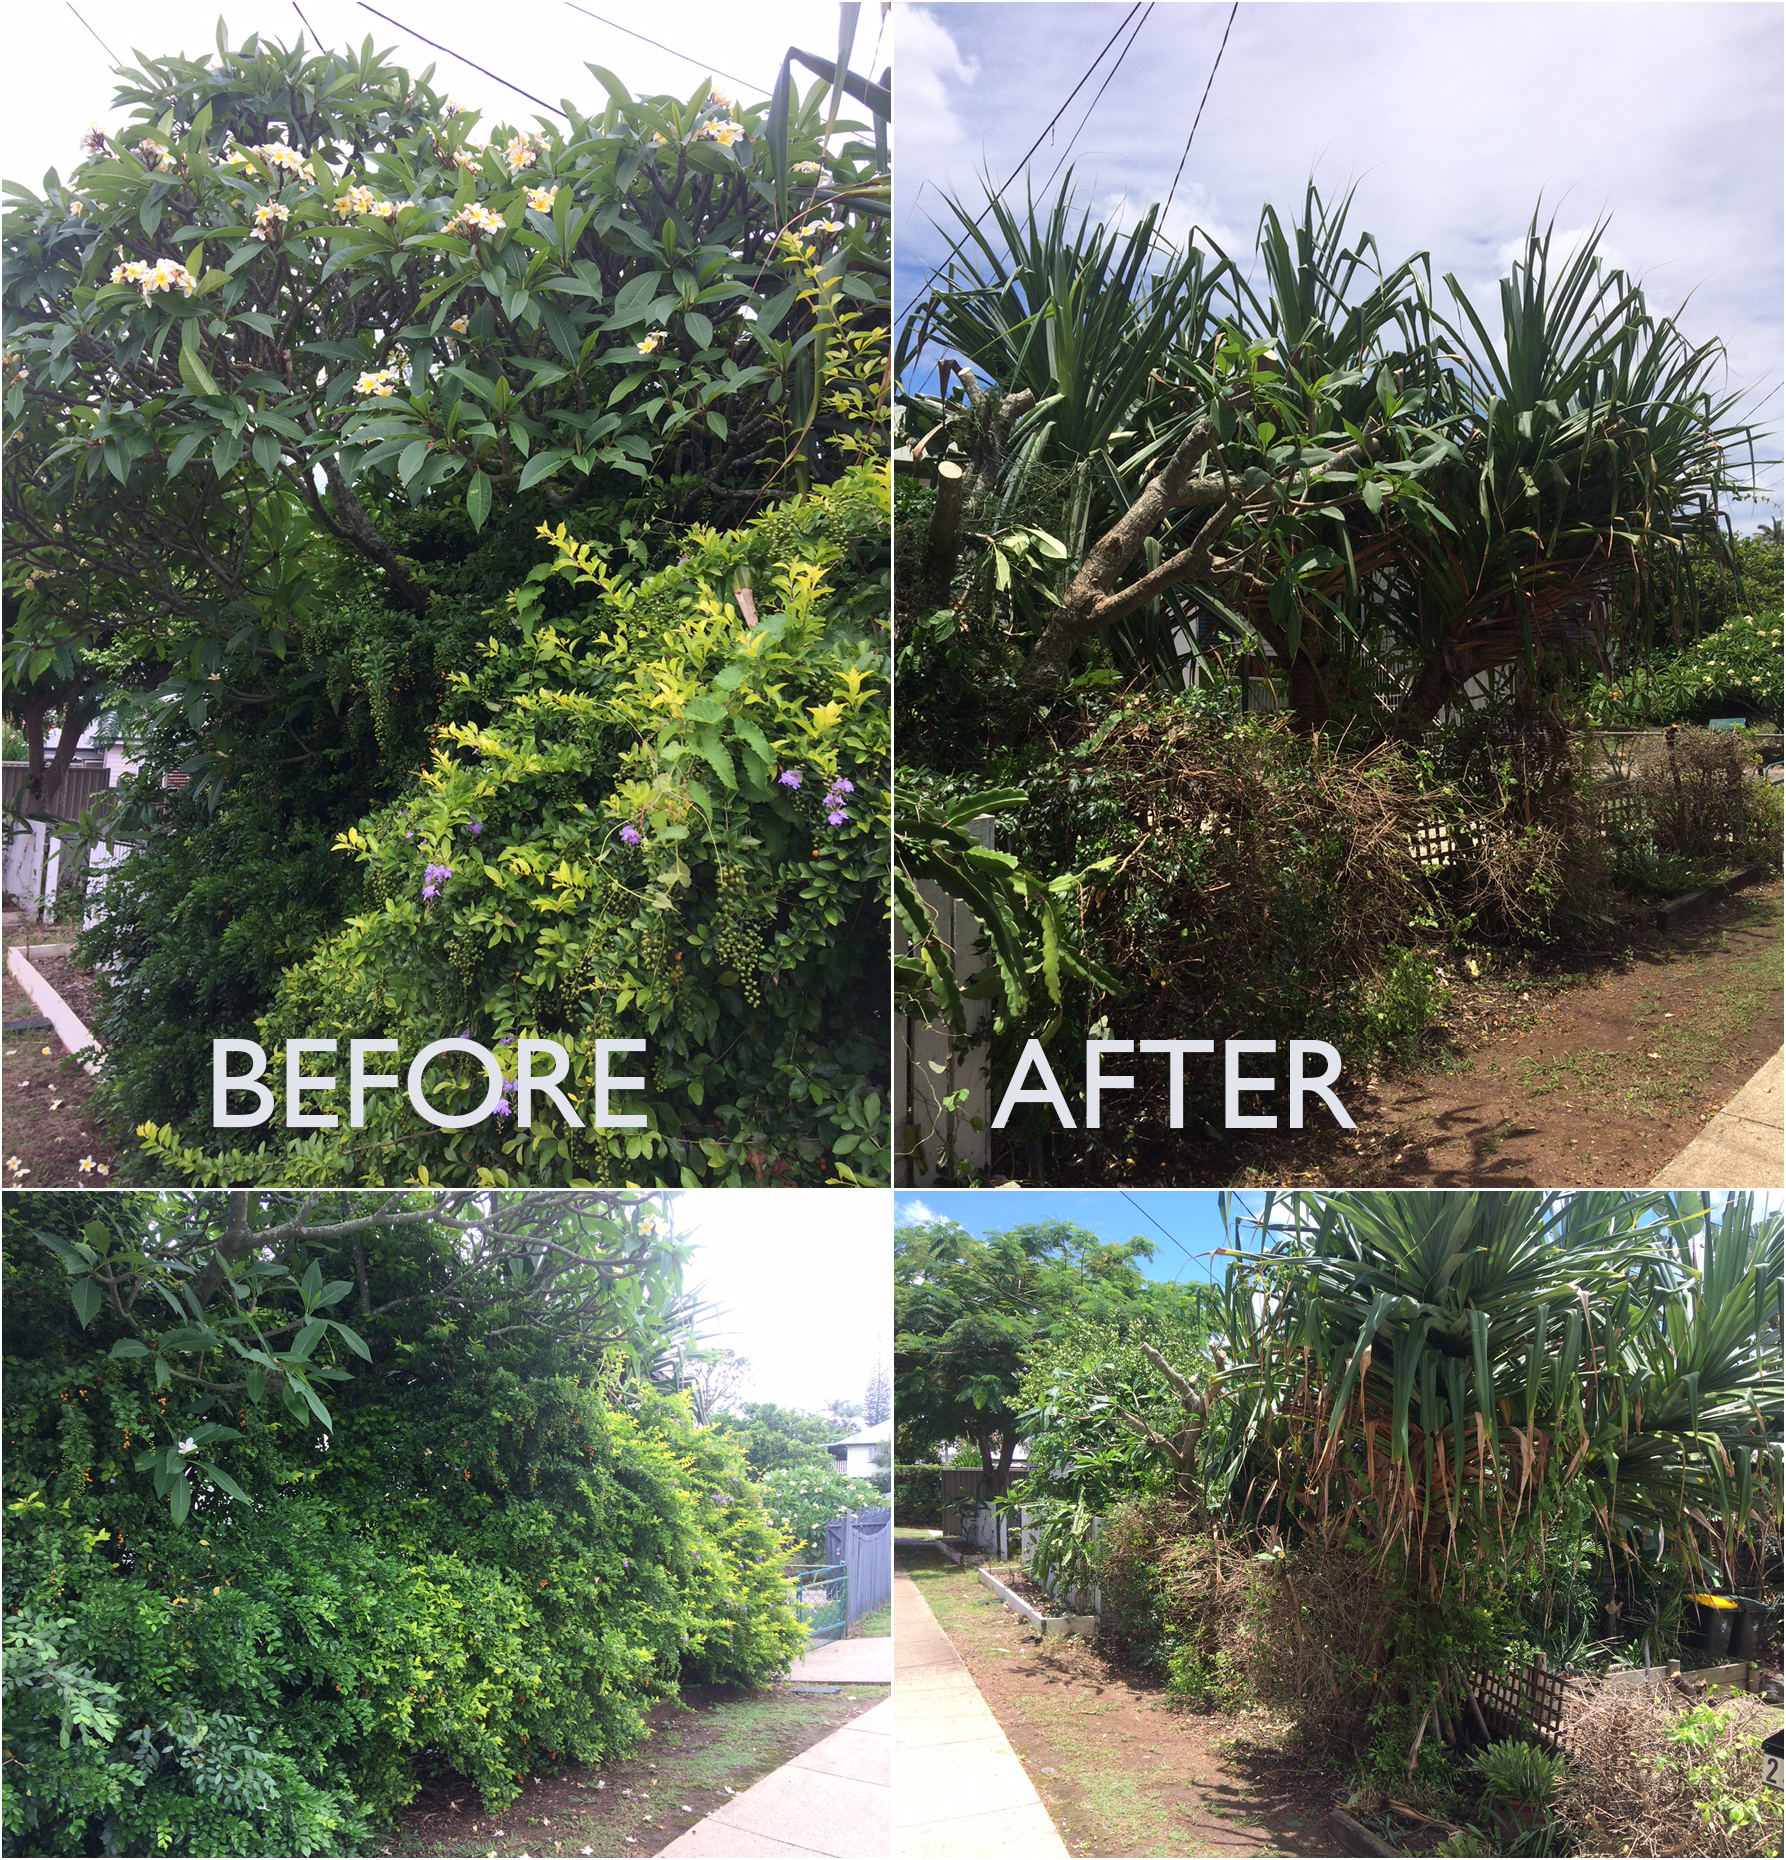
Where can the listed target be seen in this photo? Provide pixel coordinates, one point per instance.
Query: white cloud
(930, 68)
(918, 1214)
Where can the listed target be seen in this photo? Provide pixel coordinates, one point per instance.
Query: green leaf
(187, 444)
(128, 1346)
(698, 326)
(415, 455)
(87, 1299)
(311, 1287)
(179, 1501)
(541, 465)
(477, 499)
(219, 1478)
(195, 374)
(266, 451)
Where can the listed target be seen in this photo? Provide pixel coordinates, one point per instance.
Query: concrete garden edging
(1084, 1626)
(71, 1030)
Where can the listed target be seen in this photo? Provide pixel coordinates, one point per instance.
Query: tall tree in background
(966, 1312)
(877, 1403)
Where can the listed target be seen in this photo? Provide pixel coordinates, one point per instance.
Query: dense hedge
(495, 1558)
(918, 1495)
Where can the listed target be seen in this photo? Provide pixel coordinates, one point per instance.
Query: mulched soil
(78, 987)
(1578, 1069)
(1120, 1765)
(45, 1103)
(705, 1747)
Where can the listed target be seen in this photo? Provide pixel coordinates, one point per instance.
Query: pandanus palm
(1393, 501)
(1431, 1369)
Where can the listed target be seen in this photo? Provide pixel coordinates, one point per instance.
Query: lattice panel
(1529, 1702)
(1624, 816)
(1433, 846)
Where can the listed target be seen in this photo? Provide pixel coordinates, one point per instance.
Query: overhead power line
(1133, 1203)
(700, 64)
(448, 50)
(992, 198)
(1192, 137)
(1099, 98)
(113, 56)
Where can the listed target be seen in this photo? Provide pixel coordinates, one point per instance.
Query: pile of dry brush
(1313, 1634)
(1631, 1789)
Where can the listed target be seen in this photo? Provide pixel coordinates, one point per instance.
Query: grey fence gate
(862, 1541)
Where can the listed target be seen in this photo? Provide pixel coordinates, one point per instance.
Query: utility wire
(435, 43)
(1213, 69)
(700, 64)
(307, 26)
(113, 56)
(992, 199)
(1133, 1203)
(1099, 98)
(1055, 118)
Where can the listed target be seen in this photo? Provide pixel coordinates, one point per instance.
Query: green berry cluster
(738, 924)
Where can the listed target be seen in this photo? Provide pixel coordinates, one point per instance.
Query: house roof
(864, 1437)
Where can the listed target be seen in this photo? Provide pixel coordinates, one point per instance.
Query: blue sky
(1453, 120)
(1185, 1224)
(1188, 1228)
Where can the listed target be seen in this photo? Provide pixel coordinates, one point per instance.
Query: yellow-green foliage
(644, 817)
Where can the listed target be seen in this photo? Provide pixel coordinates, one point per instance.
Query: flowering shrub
(644, 817)
(800, 1501)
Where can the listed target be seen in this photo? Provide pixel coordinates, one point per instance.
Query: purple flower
(840, 786)
(789, 778)
(501, 1108)
(474, 827)
(430, 891)
(409, 833)
(630, 835)
(837, 818)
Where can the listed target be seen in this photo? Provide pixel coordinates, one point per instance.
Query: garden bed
(46, 1097)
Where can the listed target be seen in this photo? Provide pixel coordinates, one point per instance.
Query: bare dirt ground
(1120, 1765)
(1573, 1069)
(45, 1103)
(1589, 1074)
(706, 1746)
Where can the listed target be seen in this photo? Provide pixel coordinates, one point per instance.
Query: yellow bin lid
(1712, 1601)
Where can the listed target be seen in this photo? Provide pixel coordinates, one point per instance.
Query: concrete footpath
(1744, 1146)
(866, 1662)
(958, 1789)
(834, 1799)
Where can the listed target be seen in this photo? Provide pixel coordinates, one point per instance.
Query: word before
(359, 1081)
(1237, 1083)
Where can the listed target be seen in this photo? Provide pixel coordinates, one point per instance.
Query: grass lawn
(708, 1745)
(874, 1626)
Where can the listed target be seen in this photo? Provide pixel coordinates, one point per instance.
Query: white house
(855, 1456)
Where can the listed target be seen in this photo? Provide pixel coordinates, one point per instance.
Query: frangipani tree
(1431, 1369)
(299, 284)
